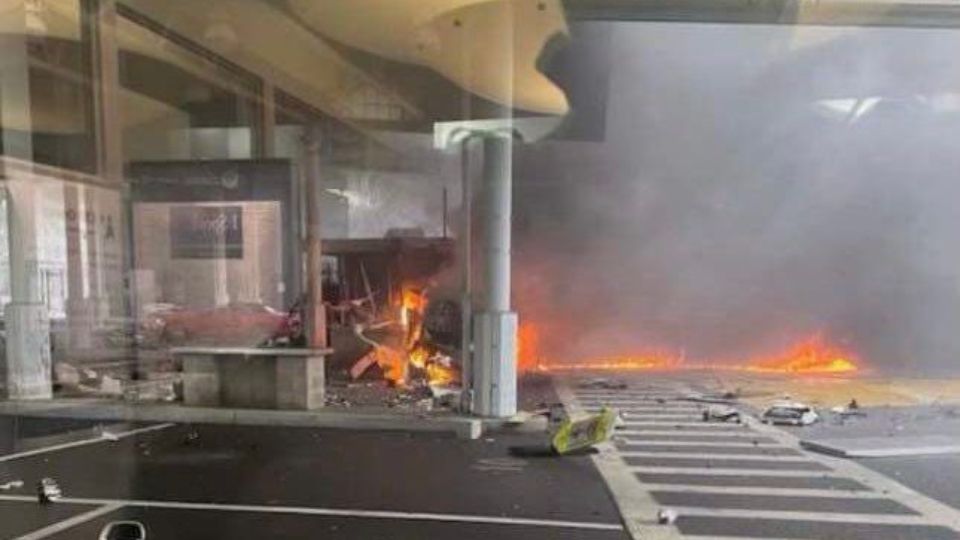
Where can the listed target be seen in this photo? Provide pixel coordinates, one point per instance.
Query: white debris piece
(110, 385)
(48, 491)
(109, 436)
(13, 484)
(667, 516)
(65, 373)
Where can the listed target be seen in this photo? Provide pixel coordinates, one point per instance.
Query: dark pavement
(308, 468)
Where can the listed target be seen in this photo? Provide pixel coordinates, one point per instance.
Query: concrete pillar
(495, 326)
(315, 315)
(26, 373)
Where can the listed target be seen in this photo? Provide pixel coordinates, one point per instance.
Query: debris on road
(13, 484)
(722, 414)
(578, 434)
(791, 413)
(603, 384)
(667, 516)
(48, 491)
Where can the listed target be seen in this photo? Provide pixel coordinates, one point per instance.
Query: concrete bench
(252, 378)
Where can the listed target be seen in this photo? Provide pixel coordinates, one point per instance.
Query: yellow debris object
(576, 434)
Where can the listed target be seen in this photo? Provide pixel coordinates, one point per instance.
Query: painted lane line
(719, 471)
(335, 512)
(746, 435)
(717, 458)
(642, 441)
(765, 491)
(69, 523)
(838, 517)
(84, 442)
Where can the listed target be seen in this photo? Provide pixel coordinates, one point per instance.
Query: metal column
(495, 326)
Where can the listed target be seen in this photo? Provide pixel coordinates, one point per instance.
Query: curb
(892, 451)
(460, 426)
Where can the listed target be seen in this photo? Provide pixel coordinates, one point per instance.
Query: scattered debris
(585, 432)
(363, 364)
(13, 484)
(111, 385)
(425, 404)
(667, 516)
(620, 422)
(722, 414)
(48, 491)
(605, 384)
(66, 374)
(522, 417)
(445, 395)
(715, 400)
(791, 413)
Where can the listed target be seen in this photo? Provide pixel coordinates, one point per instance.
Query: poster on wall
(206, 232)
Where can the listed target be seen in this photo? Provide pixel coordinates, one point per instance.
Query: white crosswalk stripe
(715, 457)
(662, 433)
(764, 491)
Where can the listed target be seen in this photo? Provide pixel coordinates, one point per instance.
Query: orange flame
(812, 355)
(528, 346)
(417, 352)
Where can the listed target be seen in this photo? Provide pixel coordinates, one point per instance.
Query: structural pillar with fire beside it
(489, 353)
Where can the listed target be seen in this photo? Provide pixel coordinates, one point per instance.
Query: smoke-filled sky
(741, 197)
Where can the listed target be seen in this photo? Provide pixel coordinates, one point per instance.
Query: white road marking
(707, 426)
(719, 458)
(745, 434)
(335, 512)
(720, 471)
(765, 491)
(641, 441)
(71, 522)
(832, 517)
(84, 442)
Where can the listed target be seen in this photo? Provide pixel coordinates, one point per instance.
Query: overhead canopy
(487, 47)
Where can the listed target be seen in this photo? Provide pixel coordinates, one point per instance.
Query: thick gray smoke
(753, 185)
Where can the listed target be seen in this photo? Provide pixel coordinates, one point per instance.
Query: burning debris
(408, 354)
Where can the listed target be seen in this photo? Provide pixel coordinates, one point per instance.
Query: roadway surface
(205, 481)
(725, 480)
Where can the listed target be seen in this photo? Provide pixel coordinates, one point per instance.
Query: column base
(27, 372)
(495, 364)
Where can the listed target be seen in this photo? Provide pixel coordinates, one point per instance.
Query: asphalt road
(205, 481)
